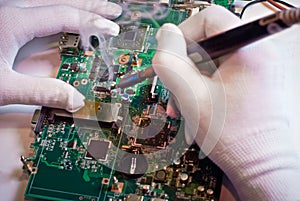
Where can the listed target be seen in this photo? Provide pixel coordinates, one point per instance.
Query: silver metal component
(26, 166)
(69, 44)
(153, 87)
(35, 118)
(184, 176)
(115, 180)
(133, 165)
(134, 197)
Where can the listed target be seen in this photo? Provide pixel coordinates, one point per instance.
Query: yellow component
(90, 108)
(89, 53)
(139, 63)
(125, 147)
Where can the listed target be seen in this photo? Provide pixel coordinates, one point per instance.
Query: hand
(240, 114)
(21, 21)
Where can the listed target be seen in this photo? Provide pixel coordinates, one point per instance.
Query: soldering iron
(226, 42)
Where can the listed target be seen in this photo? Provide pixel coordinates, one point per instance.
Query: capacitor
(184, 177)
(160, 176)
(125, 97)
(210, 191)
(201, 188)
(177, 162)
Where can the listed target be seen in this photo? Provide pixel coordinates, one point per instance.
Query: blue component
(125, 97)
(133, 78)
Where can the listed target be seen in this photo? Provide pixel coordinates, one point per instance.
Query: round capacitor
(184, 177)
(210, 191)
(125, 97)
(160, 176)
(177, 162)
(201, 188)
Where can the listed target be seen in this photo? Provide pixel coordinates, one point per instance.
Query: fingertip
(106, 26)
(106, 9)
(117, 11)
(62, 95)
(170, 40)
(166, 29)
(206, 23)
(75, 101)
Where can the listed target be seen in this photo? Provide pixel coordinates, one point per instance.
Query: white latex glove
(21, 21)
(250, 136)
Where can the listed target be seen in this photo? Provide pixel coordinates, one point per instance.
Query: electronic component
(74, 67)
(69, 44)
(101, 89)
(95, 66)
(103, 75)
(64, 66)
(117, 188)
(131, 37)
(98, 149)
(132, 166)
(133, 197)
(160, 176)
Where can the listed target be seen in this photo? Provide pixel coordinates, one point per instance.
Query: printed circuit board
(121, 145)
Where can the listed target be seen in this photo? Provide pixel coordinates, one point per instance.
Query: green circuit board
(121, 146)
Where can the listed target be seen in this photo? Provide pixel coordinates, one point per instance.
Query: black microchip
(128, 69)
(192, 156)
(92, 76)
(70, 144)
(74, 67)
(116, 68)
(65, 66)
(149, 180)
(98, 149)
(173, 182)
(96, 64)
(101, 89)
(103, 75)
(130, 35)
(115, 76)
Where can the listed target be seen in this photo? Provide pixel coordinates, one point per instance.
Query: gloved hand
(21, 21)
(247, 136)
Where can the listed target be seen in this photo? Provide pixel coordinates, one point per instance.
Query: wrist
(261, 166)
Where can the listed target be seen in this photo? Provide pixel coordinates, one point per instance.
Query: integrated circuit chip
(130, 35)
(98, 149)
(131, 38)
